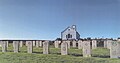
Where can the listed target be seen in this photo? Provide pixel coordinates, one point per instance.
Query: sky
(46, 19)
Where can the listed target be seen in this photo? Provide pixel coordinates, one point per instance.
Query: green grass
(99, 55)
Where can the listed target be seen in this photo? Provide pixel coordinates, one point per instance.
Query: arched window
(68, 35)
(71, 36)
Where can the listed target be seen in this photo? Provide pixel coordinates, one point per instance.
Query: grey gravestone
(40, 43)
(114, 50)
(56, 43)
(7, 43)
(74, 43)
(33, 43)
(29, 46)
(105, 43)
(80, 44)
(16, 46)
(21, 43)
(94, 44)
(37, 43)
(64, 48)
(4, 46)
(86, 49)
(46, 47)
(68, 42)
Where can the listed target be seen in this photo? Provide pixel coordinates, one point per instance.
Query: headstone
(16, 46)
(46, 47)
(94, 44)
(56, 43)
(114, 50)
(40, 43)
(68, 42)
(64, 48)
(26, 43)
(37, 43)
(109, 43)
(105, 43)
(74, 43)
(33, 43)
(86, 49)
(4, 46)
(7, 43)
(80, 44)
(29, 46)
(21, 43)
(0, 43)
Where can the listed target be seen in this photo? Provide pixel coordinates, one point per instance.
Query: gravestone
(86, 49)
(68, 42)
(33, 43)
(0, 43)
(7, 43)
(56, 43)
(94, 44)
(114, 49)
(105, 43)
(40, 43)
(80, 44)
(29, 46)
(74, 43)
(109, 43)
(46, 47)
(16, 46)
(26, 43)
(64, 48)
(37, 43)
(4, 46)
(21, 43)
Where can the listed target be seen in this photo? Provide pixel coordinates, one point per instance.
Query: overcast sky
(46, 19)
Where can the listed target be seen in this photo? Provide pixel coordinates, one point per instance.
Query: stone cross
(114, 49)
(94, 44)
(4, 46)
(16, 46)
(74, 43)
(29, 46)
(46, 47)
(64, 48)
(86, 49)
(80, 44)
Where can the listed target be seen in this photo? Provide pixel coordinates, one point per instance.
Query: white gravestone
(86, 49)
(94, 44)
(29, 46)
(74, 43)
(80, 44)
(16, 46)
(114, 50)
(64, 48)
(4, 46)
(46, 47)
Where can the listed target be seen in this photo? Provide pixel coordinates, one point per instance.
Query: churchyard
(59, 52)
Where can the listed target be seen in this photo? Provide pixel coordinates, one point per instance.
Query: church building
(70, 33)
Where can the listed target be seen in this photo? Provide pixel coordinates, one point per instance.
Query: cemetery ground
(99, 55)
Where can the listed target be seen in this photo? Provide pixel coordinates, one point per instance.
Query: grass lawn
(99, 55)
